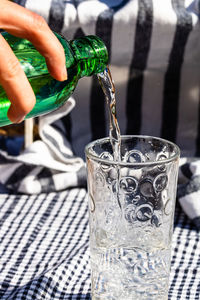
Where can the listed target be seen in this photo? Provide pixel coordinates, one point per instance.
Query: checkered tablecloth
(44, 249)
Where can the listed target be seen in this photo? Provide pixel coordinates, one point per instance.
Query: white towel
(48, 164)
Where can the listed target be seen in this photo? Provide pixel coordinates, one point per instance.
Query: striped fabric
(154, 53)
(44, 249)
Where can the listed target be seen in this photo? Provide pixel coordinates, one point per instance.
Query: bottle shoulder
(32, 62)
(69, 54)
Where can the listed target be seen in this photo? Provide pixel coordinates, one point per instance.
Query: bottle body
(84, 57)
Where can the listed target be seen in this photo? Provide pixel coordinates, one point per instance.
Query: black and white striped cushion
(154, 54)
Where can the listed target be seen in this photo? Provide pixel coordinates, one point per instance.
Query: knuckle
(37, 22)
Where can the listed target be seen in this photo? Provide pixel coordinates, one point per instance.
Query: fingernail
(64, 74)
(20, 119)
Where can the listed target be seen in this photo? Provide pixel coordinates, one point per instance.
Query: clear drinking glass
(131, 208)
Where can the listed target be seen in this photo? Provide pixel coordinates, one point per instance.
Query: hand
(23, 23)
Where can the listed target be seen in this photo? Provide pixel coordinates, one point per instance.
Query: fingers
(23, 23)
(15, 84)
(26, 24)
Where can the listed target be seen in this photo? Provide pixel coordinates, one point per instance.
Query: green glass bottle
(84, 57)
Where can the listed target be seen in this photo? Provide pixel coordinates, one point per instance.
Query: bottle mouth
(99, 47)
(100, 50)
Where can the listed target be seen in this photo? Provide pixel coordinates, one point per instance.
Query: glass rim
(133, 164)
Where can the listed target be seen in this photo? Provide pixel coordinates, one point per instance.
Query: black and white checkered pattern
(44, 250)
(44, 246)
(185, 263)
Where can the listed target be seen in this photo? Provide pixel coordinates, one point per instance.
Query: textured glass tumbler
(131, 213)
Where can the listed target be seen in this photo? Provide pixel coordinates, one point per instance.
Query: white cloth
(48, 164)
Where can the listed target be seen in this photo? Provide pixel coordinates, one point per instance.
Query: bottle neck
(88, 53)
(91, 54)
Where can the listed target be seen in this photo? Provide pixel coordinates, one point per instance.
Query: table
(44, 249)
